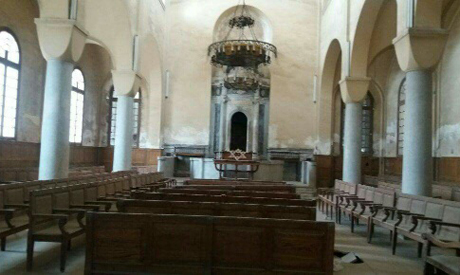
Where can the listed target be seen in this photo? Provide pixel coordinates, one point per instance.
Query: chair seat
(448, 264)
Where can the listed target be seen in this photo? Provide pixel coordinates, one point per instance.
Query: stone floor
(376, 256)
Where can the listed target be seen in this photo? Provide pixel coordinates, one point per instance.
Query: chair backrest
(2, 195)
(77, 194)
(14, 193)
(91, 191)
(41, 201)
(442, 191)
(385, 197)
(414, 204)
(451, 214)
(370, 191)
(61, 198)
(361, 191)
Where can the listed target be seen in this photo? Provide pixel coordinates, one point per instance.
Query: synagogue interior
(230, 137)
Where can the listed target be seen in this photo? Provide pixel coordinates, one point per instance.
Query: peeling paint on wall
(187, 136)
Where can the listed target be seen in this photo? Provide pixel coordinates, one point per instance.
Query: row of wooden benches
(443, 190)
(428, 221)
(16, 203)
(190, 232)
(57, 214)
(31, 173)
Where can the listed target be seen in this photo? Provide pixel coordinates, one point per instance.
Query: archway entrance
(239, 132)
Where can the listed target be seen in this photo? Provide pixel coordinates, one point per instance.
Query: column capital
(420, 48)
(126, 82)
(354, 89)
(60, 39)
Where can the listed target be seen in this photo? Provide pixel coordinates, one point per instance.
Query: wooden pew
(414, 222)
(363, 210)
(217, 209)
(231, 193)
(329, 197)
(232, 182)
(221, 199)
(264, 188)
(176, 244)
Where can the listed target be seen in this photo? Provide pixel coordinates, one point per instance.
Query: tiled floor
(377, 256)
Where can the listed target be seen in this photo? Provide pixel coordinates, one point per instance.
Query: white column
(411, 47)
(54, 149)
(418, 142)
(124, 134)
(352, 143)
(223, 120)
(61, 42)
(255, 129)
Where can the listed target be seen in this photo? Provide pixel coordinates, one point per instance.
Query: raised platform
(203, 168)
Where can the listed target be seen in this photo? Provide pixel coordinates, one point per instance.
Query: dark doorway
(239, 133)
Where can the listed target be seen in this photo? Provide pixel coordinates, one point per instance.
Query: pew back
(176, 244)
(218, 209)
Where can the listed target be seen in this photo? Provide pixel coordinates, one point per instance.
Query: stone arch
(363, 35)
(330, 75)
(263, 27)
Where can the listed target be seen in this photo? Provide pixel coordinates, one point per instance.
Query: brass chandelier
(243, 56)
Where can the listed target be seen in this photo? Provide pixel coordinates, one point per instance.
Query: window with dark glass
(113, 118)
(367, 125)
(401, 117)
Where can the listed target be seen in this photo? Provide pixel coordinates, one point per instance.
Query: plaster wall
(292, 111)
(18, 16)
(96, 66)
(448, 130)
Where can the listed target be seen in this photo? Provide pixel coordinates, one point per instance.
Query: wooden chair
(53, 219)
(12, 219)
(441, 263)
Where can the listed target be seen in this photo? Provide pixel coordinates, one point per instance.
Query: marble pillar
(62, 43)
(352, 143)
(54, 148)
(124, 134)
(255, 126)
(418, 140)
(223, 121)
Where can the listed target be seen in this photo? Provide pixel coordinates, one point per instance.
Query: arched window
(367, 125)
(77, 100)
(401, 116)
(113, 117)
(137, 118)
(9, 83)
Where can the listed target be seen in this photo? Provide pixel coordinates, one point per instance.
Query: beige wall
(292, 111)
(18, 16)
